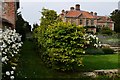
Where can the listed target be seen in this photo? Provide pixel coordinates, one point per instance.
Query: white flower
(95, 45)
(12, 55)
(13, 68)
(88, 42)
(12, 72)
(96, 38)
(20, 44)
(13, 45)
(1, 48)
(18, 50)
(4, 53)
(5, 50)
(7, 73)
(12, 77)
(4, 45)
(3, 59)
(83, 52)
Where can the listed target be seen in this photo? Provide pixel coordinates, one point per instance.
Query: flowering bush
(92, 41)
(11, 44)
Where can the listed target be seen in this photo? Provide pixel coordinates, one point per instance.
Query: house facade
(8, 13)
(84, 18)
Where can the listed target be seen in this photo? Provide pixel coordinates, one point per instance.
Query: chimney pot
(95, 14)
(71, 8)
(91, 13)
(63, 11)
(77, 6)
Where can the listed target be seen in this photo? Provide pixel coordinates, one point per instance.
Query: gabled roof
(76, 13)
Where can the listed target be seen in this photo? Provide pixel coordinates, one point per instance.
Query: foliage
(35, 26)
(11, 44)
(63, 42)
(22, 26)
(106, 30)
(108, 50)
(115, 15)
(94, 51)
(48, 17)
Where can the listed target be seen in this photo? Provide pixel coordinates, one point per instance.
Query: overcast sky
(31, 10)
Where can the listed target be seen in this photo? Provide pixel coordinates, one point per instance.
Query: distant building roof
(104, 19)
(76, 13)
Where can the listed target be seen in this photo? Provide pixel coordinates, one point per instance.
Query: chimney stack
(77, 6)
(91, 13)
(71, 8)
(95, 14)
(63, 11)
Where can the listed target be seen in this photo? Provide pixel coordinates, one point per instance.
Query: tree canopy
(115, 15)
(48, 17)
(22, 26)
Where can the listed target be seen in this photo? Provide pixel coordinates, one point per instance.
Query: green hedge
(108, 50)
(62, 43)
(94, 51)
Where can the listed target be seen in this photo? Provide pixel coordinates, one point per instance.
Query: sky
(31, 10)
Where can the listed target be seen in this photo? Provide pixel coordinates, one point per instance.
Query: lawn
(92, 62)
(31, 66)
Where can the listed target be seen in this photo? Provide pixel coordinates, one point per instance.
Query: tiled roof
(78, 13)
(73, 14)
(103, 19)
(87, 14)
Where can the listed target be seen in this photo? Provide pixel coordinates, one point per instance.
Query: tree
(35, 26)
(115, 15)
(22, 26)
(48, 17)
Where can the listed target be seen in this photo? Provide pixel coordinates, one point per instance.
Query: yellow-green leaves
(63, 43)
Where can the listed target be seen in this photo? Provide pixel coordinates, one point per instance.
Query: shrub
(93, 51)
(106, 30)
(11, 44)
(92, 41)
(63, 43)
(108, 50)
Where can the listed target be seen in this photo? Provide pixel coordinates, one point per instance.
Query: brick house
(84, 18)
(8, 13)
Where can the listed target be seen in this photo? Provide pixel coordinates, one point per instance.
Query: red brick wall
(9, 12)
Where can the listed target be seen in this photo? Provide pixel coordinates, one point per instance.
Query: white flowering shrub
(10, 47)
(92, 41)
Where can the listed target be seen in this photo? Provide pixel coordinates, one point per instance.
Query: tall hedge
(63, 45)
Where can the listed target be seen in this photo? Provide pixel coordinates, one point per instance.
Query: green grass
(31, 66)
(95, 62)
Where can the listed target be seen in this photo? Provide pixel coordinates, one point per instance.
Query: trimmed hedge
(108, 50)
(94, 51)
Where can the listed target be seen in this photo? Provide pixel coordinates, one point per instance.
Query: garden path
(30, 65)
